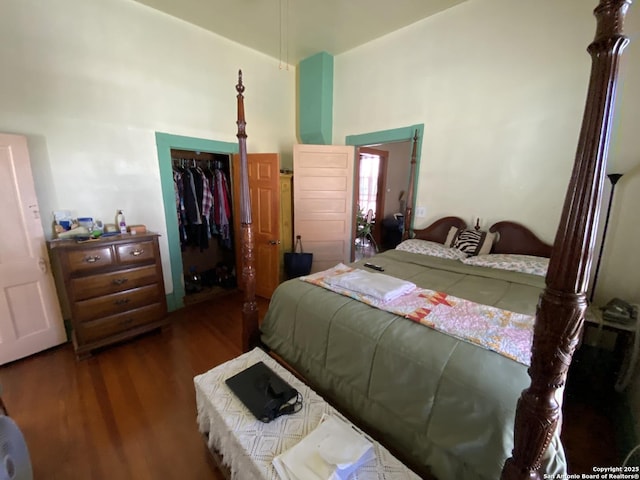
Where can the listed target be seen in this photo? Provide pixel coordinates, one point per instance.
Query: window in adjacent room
(368, 192)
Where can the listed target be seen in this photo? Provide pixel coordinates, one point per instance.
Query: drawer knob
(92, 258)
(137, 252)
(120, 281)
(122, 301)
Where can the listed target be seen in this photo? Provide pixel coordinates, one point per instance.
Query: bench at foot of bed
(246, 447)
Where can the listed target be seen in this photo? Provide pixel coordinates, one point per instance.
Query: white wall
(500, 86)
(485, 110)
(91, 81)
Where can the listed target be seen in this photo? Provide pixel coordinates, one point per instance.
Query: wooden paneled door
(264, 188)
(30, 316)
(323, 202)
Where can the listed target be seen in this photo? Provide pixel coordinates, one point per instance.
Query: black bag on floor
(297, 263)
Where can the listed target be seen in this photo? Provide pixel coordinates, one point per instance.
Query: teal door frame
(401, 134)
(164, 143)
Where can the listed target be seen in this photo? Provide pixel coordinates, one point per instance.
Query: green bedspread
(443, 403)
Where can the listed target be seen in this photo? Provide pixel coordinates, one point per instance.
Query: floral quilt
(507, 333)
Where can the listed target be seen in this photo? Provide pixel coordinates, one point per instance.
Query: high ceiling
(291, 30)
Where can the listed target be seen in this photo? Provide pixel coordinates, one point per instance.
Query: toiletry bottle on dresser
(122, 224)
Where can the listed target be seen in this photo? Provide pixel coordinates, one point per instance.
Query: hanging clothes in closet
(203, 203)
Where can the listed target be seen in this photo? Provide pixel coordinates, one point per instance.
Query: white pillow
(511, 261)
(432, 249)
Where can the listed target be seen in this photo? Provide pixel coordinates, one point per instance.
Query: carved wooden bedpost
(249, 306)
(410, 191)
(560, 313)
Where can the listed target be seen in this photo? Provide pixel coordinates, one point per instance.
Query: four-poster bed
(562, 303)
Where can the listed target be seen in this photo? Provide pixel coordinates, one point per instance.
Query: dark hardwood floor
(129, 411)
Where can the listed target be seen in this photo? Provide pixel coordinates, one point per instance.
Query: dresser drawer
(131, 253)
(89, 259)
(116, 324)
(117, 302)
(106, 283)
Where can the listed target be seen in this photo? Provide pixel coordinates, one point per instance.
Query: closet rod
(211, 164)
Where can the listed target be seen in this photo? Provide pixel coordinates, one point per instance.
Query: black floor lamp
(613, 177)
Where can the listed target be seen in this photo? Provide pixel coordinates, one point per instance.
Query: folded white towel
(332, 451)
(377, 285)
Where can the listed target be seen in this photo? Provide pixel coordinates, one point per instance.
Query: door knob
(274, 242)
(42, 264)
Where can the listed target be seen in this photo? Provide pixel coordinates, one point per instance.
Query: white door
(323, 202)
(30, 317)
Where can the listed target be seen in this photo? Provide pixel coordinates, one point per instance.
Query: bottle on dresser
(120, 222)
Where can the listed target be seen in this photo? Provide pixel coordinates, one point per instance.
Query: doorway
(392, 183)
(202, 188)
(165, 143)
(370, 192)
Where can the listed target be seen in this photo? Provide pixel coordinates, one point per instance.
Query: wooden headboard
(512, 237)
(438, 230)
(516, 238)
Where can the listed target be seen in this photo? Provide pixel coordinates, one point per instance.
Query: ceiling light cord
(280, 39)
(284, 33)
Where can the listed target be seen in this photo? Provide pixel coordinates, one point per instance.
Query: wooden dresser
(111, 288)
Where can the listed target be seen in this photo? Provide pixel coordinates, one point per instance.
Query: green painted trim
(401, 134)
(173, 303)
(315, 99)
(164, 143)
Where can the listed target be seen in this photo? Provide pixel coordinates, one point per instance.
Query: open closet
(204, 208)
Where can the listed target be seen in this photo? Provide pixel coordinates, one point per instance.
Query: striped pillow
(471, 242)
